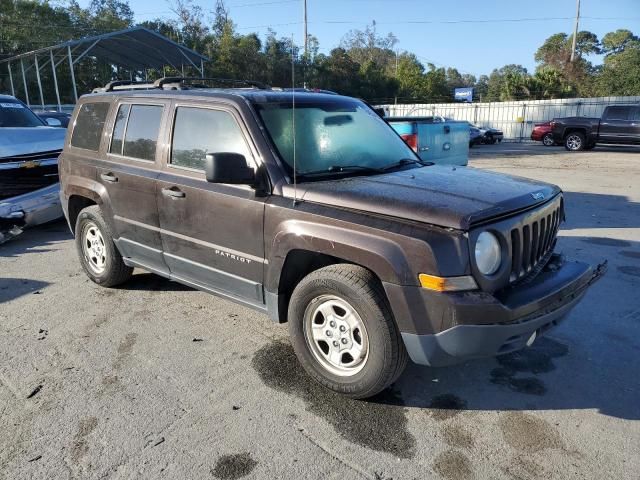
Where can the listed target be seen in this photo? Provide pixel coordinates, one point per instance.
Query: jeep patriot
(310, 208)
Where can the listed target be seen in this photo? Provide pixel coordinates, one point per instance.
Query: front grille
(533, 242)
(32, 156)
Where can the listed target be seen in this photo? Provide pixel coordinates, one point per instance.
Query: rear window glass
(142, 130)
(88, 126)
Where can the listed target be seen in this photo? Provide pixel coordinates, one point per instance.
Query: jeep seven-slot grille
(533, 242)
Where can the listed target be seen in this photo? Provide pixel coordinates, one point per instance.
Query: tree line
(366, 63)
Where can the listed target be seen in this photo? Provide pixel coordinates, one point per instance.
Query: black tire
(574, 141)
(547, 140)
(361, 290)
(114, 271)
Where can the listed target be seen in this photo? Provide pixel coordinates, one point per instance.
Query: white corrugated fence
(515, 119)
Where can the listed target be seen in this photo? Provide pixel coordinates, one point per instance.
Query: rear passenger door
(212, 234)
(129, 176)
(635, 125)
(615, 126)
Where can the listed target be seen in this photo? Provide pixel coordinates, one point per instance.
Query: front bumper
(459, 327)
(28, 210)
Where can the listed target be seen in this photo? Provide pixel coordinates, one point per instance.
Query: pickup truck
(620, 124)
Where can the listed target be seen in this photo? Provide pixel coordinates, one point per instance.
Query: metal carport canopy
(136, 48)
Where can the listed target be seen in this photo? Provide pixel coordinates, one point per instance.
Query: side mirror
(53, 122)
(227, 167)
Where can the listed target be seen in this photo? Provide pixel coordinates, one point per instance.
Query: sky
(471, 35)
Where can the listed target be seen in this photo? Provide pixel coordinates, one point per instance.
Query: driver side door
(212, 234)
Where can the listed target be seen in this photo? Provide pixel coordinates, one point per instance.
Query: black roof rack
(180, 83)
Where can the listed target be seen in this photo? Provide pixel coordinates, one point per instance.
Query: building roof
(136, 48)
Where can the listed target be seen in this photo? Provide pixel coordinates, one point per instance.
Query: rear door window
(198, 131)
(141, 133)
(88, 125)
(119, 128)
(618, 113)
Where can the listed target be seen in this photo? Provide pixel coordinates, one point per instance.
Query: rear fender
(87, 188)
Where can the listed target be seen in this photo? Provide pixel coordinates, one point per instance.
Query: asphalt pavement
(153, 380)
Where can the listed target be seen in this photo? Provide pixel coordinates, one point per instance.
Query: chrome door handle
(173, 192)
(109, 177)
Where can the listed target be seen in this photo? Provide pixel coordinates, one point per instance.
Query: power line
(360, 22)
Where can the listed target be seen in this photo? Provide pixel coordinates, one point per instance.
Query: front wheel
(574, 141)
(343, 332)
(547, 140)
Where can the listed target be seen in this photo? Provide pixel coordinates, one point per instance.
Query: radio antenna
(293, 122)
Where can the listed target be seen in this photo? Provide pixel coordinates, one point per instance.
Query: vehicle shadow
(595, 210)
(12, 288)
(516, 149)
(34, 239)
(144, 281)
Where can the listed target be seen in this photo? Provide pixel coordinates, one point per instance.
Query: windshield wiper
(337, 169)
(406, 161)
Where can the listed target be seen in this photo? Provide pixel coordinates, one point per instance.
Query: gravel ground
(155, 380)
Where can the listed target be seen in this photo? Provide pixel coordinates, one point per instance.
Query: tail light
(552, 124)
(411, 140)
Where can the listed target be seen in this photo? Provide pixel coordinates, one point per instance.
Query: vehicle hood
(453, 197)
(28, 140)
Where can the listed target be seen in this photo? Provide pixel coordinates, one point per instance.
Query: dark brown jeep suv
(310, 208)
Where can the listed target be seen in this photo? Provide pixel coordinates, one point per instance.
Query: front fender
(381, 255)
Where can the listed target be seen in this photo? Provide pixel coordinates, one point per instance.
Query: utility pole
(575, 32)
(395, 100)
(306, 39)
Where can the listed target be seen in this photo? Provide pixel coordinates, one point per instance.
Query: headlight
(488, 256)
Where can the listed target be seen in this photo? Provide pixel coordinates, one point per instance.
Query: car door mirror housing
(53, 122)
(228, 167)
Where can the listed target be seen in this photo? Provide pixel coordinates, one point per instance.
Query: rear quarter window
(88, 125)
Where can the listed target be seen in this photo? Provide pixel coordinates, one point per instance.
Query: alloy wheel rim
(574, 142)
(547, 140)
(94, 248)
(336, 335)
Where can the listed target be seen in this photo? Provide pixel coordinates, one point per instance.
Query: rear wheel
(574, 141)
(547, 140)
(99, 256)
(343, 332)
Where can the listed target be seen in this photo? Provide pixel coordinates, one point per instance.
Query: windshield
(333, 136)
(15, 114)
